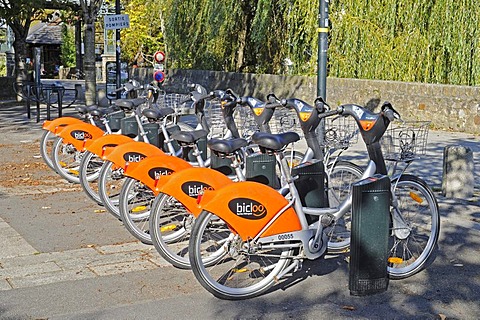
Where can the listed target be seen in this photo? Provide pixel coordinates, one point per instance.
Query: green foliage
(406, 40)
(144, 37)
(68, 47)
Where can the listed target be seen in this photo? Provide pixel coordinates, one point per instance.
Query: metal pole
(323, 25)
(117, 51)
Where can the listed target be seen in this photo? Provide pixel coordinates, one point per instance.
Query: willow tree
(209, 34)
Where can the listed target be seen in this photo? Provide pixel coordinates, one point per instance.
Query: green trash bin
(369, 236)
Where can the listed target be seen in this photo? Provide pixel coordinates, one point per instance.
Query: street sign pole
(323, 26)
(117, 51)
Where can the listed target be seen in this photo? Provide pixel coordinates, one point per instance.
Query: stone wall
(449, 107)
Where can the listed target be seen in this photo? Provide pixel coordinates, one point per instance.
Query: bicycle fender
(247, 207)
(104, 145)
(187, 184)
(128, 155)
(59, 124)
(78, 134)
(153, 171)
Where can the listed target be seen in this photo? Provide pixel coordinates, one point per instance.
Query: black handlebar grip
(389, 114)
(273, 105)
(329, 113)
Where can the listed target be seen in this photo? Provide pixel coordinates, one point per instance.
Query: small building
(48, 36)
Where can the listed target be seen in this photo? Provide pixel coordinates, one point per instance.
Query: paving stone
(125, 247)
(51, 277)
(123, 267)
(22, 271)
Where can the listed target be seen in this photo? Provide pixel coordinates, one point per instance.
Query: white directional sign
(116, 21)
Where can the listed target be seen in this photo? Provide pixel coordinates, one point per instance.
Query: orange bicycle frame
(128, 155)
(59, 124)
(248, 207)
(104, 145)
(187, 184)
(79, 134)
(154, 171)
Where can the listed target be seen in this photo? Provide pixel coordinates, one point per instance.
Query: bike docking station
(369, 236)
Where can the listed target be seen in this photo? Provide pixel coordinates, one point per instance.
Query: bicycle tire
(134, 207)
(109, 186)
(419, 209)
(46, 144)
(170, 229)
(66, 160)
(236, 274)
(89, 171)
(342, 175)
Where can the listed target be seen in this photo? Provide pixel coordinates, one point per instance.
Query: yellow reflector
(168, 228)
(75, 172)
(395, 260)
(305, 115)
(258, 111)
(416, 197)
(139, 208)
(240, 270)
(62, 164)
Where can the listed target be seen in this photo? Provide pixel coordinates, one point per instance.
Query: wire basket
(340, 132)
(405, 141)
(176, 102)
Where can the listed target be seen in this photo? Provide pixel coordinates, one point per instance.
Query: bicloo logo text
(158, 172)
(80, 135)
(247, 208)
(194, 188)
(133, 157)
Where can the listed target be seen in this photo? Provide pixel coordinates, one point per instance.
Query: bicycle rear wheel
(110, 183)
(170, 229)
(411, 246)
(134, 206)
(237, 272)
(90, 167)
(341, 177)
(66, 160)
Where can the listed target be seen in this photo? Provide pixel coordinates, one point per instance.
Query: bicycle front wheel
(238, 272)
(413, 240)
(110, 184)
(90, 167)
(46, 145)
(66, 160)
(170, 228)
(340, 179)
(134, 207)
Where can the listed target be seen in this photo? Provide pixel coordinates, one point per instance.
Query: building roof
(45, 33)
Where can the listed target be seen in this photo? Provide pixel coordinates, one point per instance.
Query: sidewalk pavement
(63, 257)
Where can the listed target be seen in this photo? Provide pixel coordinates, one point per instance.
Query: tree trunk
(20, 47)
(89, 64)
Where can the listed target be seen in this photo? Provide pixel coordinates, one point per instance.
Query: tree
(90, 9)
(143, 38)
(68, 47)
(18, 15)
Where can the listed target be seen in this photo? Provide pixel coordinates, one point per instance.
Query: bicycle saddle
(189, 136)
(129, 104)
(156, 114)
(275, 142)
(83, 110)
(226, 147)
